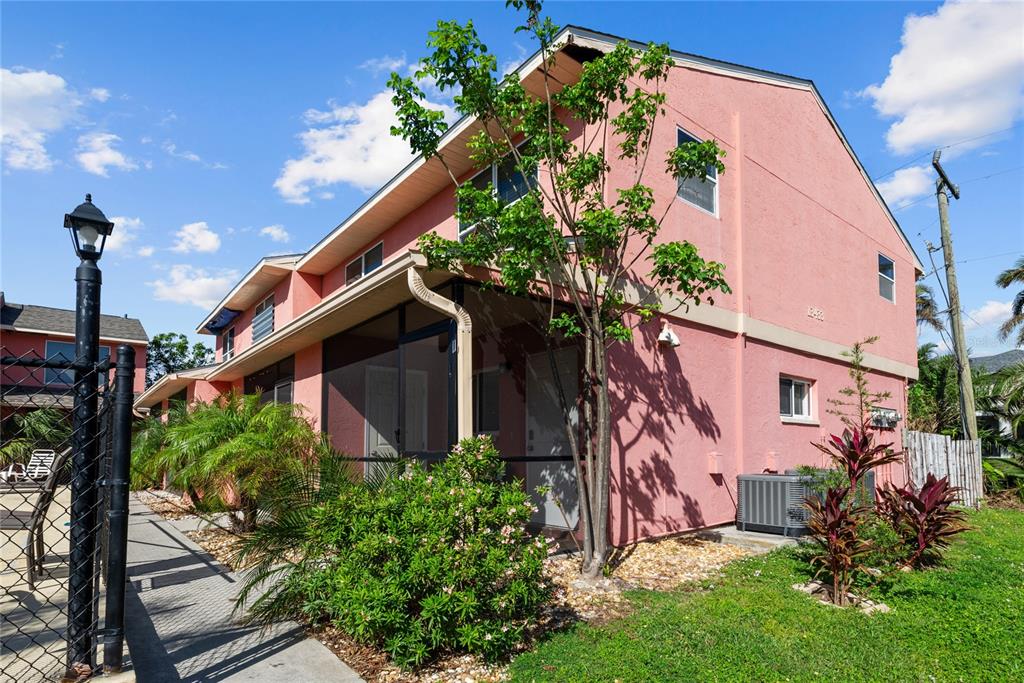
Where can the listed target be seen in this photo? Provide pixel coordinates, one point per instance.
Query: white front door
(381, 415)
(546, 438)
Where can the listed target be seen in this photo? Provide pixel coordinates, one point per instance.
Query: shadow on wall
(658, 402)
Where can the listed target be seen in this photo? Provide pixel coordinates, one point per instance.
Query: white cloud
(172, 150)
(96, 154)
(276, 232)
(196, 237)
(145, 252)
(126, 231)
(185, 284)
(99, 94)
(348, 144)
(959, 74)
(385, 64)
(906, 185)
(58, 51)
(35, 104)
(988, 313)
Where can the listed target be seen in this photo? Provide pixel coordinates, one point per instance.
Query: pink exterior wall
(307, 387)
(32, 344)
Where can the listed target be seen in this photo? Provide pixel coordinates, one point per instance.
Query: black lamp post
(89, 229)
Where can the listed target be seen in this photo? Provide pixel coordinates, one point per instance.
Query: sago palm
(1015, 324)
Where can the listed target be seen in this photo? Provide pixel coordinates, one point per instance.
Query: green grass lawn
(963, 621)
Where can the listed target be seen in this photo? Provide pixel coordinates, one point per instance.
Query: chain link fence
(56, 444)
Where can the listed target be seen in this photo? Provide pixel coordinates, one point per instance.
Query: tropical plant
(235, 449)
(833, 527)
(925, 518)
(933, 401)
(927, 309)
(43, 428)
(584, 245)
(1015, 324)
(428, 561)
(855, 454)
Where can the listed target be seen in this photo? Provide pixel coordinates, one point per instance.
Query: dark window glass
(65, 351)
(373, 258)
(697, 191)
(354, 270)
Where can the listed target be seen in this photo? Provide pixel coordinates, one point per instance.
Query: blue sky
(222, 132)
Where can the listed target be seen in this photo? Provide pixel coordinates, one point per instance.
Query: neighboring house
(28, 331)
(389, 357)
(998, 424)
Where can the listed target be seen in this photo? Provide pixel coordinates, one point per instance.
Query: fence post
(117, 511)
(85, 467)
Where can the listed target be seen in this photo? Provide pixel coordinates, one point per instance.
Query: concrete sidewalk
(179, 622)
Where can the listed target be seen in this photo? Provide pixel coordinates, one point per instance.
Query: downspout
(463, 347)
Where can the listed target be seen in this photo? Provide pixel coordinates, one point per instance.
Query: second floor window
(263, 319)
(701, 193)
(369, 261)
(58, 350)
(229, 344)
(886, 278)
(509, 184)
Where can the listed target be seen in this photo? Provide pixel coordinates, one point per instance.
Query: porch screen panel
(426, 396)
(361, 391)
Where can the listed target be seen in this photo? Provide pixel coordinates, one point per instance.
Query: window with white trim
(228, 344)
(65, 351)
(367, 262)
(486, 407)
(794, 398)
(702, 193)
(886, 278)
(263, 319)
(507, 182)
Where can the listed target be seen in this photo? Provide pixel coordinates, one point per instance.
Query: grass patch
(962, 621)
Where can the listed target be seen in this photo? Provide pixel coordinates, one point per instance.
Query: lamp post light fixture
(88, 226)
(89, 231)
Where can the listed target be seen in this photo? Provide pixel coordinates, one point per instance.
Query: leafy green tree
(171, 352)
(1015, 324)
(47, 428)
(585, 248)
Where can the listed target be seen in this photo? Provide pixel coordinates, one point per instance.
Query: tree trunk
(600, 462)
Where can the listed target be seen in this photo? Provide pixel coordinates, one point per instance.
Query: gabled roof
(170, 384)
(267, 272)
(61, 322)
(421, 178)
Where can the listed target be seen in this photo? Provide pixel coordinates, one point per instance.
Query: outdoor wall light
(89, 229)
(668, 337)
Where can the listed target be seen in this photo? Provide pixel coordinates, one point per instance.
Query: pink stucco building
(37, 332)
(387, 356)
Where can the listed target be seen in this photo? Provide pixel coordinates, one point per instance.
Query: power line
(976, 258)
(966, 182)
(952, 144)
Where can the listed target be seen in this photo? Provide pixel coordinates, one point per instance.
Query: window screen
(886, 278)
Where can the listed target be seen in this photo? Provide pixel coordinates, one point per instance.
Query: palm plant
(927, 310)
(238, 446)
(1009, 277)
(26, 432)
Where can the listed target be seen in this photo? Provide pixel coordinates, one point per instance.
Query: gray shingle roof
(62, 321)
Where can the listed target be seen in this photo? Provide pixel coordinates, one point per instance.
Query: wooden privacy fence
(942, 456)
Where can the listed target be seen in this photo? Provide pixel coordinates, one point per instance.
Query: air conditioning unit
(885, 418)
(772, 503)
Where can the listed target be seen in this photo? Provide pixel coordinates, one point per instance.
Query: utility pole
(963, 368)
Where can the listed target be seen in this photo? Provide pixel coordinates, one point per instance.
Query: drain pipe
(463, 348)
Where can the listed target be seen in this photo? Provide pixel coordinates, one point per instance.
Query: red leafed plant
(925, 519)
(833, 526)
(855, 454)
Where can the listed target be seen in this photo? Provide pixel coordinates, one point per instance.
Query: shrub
(833, 527)
(854, 454)
(925, 519)
(429, 561)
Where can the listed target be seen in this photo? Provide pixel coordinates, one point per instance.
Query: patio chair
(40, 465)
(34, 521)
(12, 473)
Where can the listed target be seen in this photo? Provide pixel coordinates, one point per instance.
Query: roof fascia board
(410, 259)
(55, 333)
(265, 262)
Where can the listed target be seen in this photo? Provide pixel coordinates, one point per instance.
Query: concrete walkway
(179, 618)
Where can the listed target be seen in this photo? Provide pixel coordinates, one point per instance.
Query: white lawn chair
(40, 465)
(12, 473)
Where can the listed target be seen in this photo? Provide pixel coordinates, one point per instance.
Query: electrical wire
(952, 144)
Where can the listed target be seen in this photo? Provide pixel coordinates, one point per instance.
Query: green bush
(428, 561)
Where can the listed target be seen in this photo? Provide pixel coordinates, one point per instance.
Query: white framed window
(263, 319)
(65, 351)
(283, 392)
(364, 264)
(229, 344)
(486, 402)
(509, 185)
(795, 398)
(700, 193)
(886, 278)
